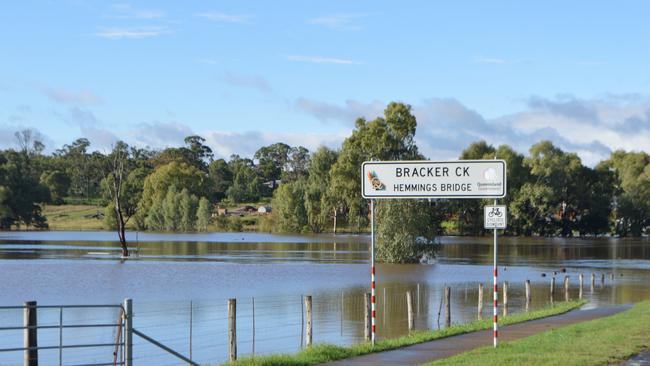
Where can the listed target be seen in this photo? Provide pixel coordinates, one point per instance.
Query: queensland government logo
(377, 185)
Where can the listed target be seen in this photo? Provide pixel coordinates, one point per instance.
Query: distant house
(222, 211)
(264, 209)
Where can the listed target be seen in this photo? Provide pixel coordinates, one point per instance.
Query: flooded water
(180, 285)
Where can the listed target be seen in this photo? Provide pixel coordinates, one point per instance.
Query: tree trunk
(121, 229)
(335, 212)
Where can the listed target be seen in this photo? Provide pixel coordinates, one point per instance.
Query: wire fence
(199, 329)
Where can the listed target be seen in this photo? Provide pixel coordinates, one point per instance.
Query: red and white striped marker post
(496, 292)
(373, 301)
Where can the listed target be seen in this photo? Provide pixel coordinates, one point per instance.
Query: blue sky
(244, 74)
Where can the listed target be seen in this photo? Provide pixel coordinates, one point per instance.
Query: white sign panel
(434, 179)
(495, 217)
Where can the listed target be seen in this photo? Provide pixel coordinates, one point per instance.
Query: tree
(272, 160)
(58, 184)
(289, 207)
(203, 214)
(22, 194)
(631, 191)
(221, 178)
(246, 183)
(157, 184)
(195, 153)
(405, 230)
(297, 164)
(171, 210)
(123, 195)
(559, 171)
(387, 138)
(318, 204)
(188, 205)
(155, 219)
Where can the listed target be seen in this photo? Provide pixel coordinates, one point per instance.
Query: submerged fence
(215, 331)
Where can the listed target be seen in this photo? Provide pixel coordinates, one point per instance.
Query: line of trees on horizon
(550, 191)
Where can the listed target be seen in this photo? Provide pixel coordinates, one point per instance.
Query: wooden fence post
(580, 288)
(566, 288)
(309, 320)
(409, 310)
(527, 283)
(30, 334)
(505, 298)
(447, 306)
(552, 289)
(367, 317)
(232, 329)
(480, 301)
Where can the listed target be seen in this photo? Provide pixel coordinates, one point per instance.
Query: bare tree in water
(116, 183)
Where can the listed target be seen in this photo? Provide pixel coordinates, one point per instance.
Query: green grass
(326, 352)
(73, 217)
(602, 341)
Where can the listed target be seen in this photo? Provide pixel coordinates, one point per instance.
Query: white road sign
(495, 217)
(434, 179)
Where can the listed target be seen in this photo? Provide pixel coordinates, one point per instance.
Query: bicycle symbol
(495, 212)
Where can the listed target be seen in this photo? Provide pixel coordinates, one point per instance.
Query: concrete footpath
(447, 347)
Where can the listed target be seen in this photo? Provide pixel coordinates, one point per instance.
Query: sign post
(495, 218)
(372, 271)
(429, 179)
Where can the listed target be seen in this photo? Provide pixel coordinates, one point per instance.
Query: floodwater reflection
(274, 271)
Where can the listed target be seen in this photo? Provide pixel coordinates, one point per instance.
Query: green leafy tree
(195, 153)
(155, 220)
(289, 207)
(246, 183)
(559, 171)
(272, 161)
(632, 191)
(203, 215)
(58, 184)
(188, 205)
(385, 138)
(532, 209)
(22, 192)
(318, 205)
(405, 231)
(156, 185)
(171, 209)
(297, 164)
(221, 178)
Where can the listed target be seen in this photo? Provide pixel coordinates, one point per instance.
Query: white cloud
(159, 134)
(83, 97)
(338, 21)
(225, 143)
(322, 60)
(349, 112)
(225, 18)
(591, 127)
(132, 32)
(126, 11)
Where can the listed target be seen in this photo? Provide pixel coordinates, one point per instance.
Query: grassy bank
(603, 341)
(74, 217)
(326, 352)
